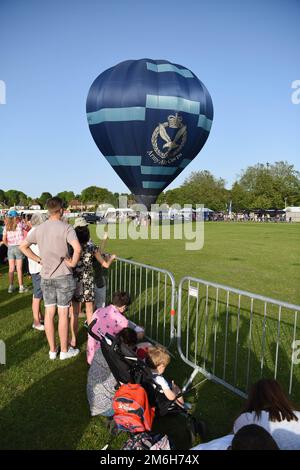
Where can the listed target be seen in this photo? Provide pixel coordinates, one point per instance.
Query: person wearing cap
(84, 276)
(13, 236)
(35, 272)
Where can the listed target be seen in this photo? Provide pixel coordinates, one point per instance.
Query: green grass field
(43, 403)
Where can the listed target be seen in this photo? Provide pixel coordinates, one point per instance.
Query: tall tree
(270, 186)
(66, 196)
(240, 197)
(44, 198)
(14, 197)
(98, 195)
(2, 196)
(202, 187)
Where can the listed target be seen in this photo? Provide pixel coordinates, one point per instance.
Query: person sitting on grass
(110, 320)
(268, 407)
(253, 437)
(101, 382)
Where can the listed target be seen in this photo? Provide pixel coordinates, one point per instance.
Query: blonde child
(158, 359)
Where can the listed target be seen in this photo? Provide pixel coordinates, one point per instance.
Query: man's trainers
(72, 352)
(38, 327)
(52, 355)
(10, 289)
(22, 289)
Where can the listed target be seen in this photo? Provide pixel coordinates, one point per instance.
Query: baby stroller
(127, 368)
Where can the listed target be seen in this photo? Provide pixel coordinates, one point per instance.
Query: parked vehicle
(91, 217)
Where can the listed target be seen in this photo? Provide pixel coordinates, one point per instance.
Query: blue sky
(246, 53)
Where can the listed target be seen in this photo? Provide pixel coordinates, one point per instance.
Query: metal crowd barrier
(152, 292)
(235, 337)
(232, 337)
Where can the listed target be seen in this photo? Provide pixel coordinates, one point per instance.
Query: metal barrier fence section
(152, 292)
(235, 337)
(231, 336)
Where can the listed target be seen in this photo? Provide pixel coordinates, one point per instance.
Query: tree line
(262, 186)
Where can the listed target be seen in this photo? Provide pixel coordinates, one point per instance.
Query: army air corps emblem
(169, 138)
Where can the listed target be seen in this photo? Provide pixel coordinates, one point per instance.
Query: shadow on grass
(18, 351)
(50, 414)
(13, 303)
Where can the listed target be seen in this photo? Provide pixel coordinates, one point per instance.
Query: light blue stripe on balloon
(124, 160)
(184, 163)
(158, 170)
(153, 184)
(204, 122)
(169, 68)
(135, 113)
(176, 103)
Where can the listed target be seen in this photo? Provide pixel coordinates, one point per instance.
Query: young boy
(110, 320)
(158, 359)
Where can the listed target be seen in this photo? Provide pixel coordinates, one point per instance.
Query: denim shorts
(36, 284)
(58, 291)
(14, 252)
(100, 297)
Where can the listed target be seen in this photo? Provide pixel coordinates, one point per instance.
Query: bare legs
(12, 263)
(19, 263)
(11, 271)
(37, 316)
(63, 327)
(89, 308)
(74, 312)
(49, 326)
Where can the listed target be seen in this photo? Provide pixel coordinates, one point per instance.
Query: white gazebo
(292, 214)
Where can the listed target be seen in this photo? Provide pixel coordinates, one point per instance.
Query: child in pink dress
(110, 320)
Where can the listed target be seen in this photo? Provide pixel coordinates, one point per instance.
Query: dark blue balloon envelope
(150, 119)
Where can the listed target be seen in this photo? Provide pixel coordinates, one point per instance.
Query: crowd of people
(249, 217)
(68, 273)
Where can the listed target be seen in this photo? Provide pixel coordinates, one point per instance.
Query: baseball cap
(12, 213)
(80, 222)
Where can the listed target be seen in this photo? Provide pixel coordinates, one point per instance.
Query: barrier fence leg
(190, 380)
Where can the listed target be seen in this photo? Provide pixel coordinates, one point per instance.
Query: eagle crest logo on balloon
(166, 148)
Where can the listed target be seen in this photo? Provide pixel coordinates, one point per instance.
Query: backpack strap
(90, 330)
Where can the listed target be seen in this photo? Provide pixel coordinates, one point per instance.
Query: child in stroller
(127, 368)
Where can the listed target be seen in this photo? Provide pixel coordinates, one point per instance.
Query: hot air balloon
(149, 118)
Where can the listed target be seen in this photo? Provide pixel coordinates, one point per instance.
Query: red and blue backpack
(132, 411)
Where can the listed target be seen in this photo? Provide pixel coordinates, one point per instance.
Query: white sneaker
(10, 289)
(22, 289)
(52, 355)
(72, 352)
(38, 327)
